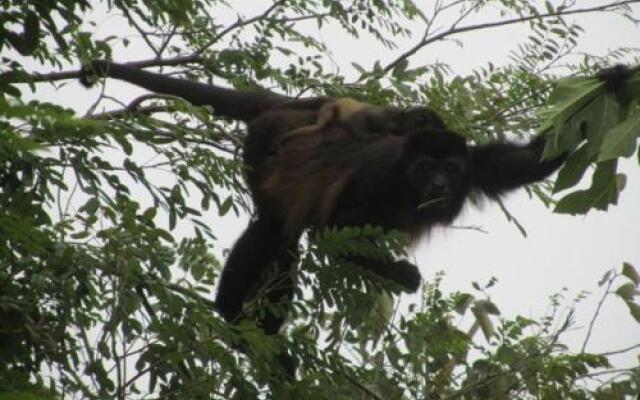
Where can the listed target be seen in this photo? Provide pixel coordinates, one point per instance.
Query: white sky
(560, 251)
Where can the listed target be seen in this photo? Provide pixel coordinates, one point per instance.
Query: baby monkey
(364, 119)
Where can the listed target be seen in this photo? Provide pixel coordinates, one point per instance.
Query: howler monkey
(409, 177)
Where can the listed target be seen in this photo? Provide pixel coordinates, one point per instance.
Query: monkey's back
(307, 177)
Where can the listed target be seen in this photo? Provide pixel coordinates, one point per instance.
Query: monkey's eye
(452, 167)
(423, 120)
(422, 166)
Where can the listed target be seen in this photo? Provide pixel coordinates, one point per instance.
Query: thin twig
(469, 227)
(597, 313)
(610, 371)
(167, 40)
(138, 28)
(621, 351)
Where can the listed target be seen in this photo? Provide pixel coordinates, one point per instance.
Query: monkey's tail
(236, 104)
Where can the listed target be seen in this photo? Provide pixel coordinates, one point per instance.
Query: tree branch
(606, 294)
(462, 29)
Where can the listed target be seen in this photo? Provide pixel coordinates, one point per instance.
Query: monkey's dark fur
(410, 179)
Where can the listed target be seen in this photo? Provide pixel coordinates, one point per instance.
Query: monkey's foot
(407, 275)
(89, 72)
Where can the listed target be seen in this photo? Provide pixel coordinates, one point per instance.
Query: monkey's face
(436, 168)
(438, 182)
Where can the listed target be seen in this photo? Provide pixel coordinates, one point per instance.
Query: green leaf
(570, 97)
(487, 307)
(631, 273)
(10, 90)
(149, 214)
(462, 302)
(164, 235)
(627, 291)
(549, 7)
(573, 169)
(605, 278)
(80, 235)
(225, 206)
(485, 323)
(398, 70)
(597, 119)
(621, 141)
(173, 218)
(91, 206)
(635, 310)
(604, 189)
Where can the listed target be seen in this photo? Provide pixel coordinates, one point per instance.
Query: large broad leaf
(573, 170)
(622, 140)
(570, 98)
(592, 122)
(604, 189)
(583, 109)
(597, 119)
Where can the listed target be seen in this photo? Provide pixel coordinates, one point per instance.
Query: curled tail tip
(90, 72)
(87, 79)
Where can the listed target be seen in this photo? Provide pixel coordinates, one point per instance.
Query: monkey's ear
(89, 73)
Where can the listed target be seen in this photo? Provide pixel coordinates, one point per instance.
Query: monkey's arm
(237, 104)
(497, 168)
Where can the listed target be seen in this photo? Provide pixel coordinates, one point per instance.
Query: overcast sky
(560, 251)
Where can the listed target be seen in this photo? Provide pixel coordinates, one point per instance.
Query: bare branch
(621, 351)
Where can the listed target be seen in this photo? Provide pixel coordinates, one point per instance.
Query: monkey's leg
(262, 245)
(327, 114)
(256, 248)
(278, 291)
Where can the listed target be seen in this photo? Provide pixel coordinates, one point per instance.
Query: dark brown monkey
(411, 180)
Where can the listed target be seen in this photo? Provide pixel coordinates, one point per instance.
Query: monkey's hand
(401, 272)
(406, 275)
(615, 77)
(90, 72)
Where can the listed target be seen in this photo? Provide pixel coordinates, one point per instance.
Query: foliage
(108, 247)
(609, 120)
